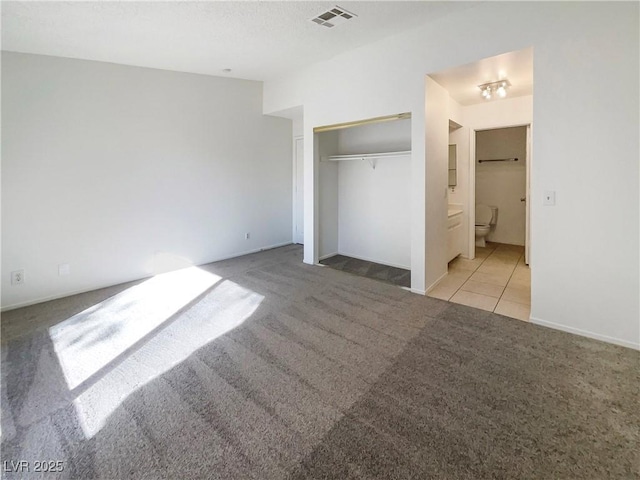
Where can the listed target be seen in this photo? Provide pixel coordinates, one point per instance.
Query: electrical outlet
(549, 198)
(17, 277)
(247, 236)
(64, 269)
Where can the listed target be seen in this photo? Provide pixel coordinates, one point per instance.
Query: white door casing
(527, 235)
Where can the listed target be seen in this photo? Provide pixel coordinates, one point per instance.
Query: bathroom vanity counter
(455, 237)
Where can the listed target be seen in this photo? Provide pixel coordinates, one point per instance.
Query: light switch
(549, 197)
(64, 269)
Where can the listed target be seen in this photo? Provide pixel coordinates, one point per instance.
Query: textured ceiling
(257, 40)
(462, 82)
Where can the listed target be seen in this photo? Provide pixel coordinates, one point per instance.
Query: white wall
(297, 126)
(584, 141)
(499, 113)
(374, 204)
(503, 184)
(328, 199)
(116, 170)
(392, 136)
(437, 180)
(374, 220)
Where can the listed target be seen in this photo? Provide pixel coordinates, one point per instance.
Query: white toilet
(486, 218)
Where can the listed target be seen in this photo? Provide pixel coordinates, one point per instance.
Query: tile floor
(497, 280)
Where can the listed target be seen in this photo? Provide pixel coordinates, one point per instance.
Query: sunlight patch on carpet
(88, 343)
(92, 339)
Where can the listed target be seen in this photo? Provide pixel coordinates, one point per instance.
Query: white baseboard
(434, 284)
(6, 308)
(419, 292)
(585, 333)
(328, 255)
(388, 264)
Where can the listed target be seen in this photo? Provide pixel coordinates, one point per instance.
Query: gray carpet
(285, 370)
(364, 268)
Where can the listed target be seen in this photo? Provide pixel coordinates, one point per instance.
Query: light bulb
(488, 95)
(502, 92)
(485, 92)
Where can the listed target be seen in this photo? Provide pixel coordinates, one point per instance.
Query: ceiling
(257, 40)
(462, 82)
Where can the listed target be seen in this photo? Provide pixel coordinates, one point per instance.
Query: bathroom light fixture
(499, 88)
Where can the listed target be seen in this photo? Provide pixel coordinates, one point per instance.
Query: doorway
(491, 95)
(500, 172)
(496, 276)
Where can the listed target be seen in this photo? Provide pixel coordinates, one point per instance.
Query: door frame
(472, 187)
(294, 223)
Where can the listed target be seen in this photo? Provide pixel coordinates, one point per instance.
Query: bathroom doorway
(490, 96)
(497, 276)
(500, 176)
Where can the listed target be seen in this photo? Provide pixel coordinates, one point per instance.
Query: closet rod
(499, 160)
(365, 156)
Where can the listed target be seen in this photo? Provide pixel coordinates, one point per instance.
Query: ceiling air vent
(333, 17)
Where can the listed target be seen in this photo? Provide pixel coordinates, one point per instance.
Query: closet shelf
(370, 157)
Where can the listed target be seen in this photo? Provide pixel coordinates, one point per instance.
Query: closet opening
(364, 198)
